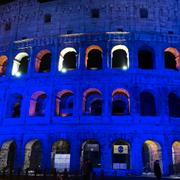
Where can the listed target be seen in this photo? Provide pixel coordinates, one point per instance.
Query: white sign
(119, 166)
(62, 161)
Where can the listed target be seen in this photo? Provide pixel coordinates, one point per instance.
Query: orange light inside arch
(122, 91)
(176, 53)
(58, 97)
(86, 93)
(3, 62)
(39, 57)
(176, 152)
(93, 47)
(154, 148)
(3, 59)
(33, 102)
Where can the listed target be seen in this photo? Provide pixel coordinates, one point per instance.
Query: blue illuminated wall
(73, 25)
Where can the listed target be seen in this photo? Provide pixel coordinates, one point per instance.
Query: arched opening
(20, 64)
(151, 151)
(38, 104)
(174, 105)
(90, 151)
(92, 102)
(64, 103)
(120, 102)
(14, 106)
(176, 157)
(43, 61)
(93, 60)
(67, 59)
(7, 155)
(145, 58)
(3, 65)
(147, 104)
(120, 57)
(33, 155)
(60, 155)
(121, 155)
(172, 58)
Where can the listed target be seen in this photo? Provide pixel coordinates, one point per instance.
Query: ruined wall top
(21, 19)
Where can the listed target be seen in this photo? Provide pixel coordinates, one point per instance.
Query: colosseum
(89, 79)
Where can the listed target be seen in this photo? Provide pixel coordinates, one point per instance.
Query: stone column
(10, 61)
(136, 157)
(30, 63)
(135, 103)
(106, 104)
(77, 112)
(105, 58)
(162, 106)
(159, 58)
(20, 154)
(80, 101)
(133, 57)
(75, 155)
(107, 65)
(32, 60)
(49, 104)
(106, 156)
(81, 58)
(46, 154)
(55, 59)
(166, 158)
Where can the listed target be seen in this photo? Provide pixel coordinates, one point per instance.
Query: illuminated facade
(95, 81)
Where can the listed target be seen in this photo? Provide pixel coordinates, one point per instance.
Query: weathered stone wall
(27, 17)
(27, 21)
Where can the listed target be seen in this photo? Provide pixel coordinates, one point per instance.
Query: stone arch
(60, 155)
(64, 103)
(43, 61)
(33, 155)
(7, 155)
(120, 102)
(90, 151)
(146, 58)
(120, 57)
(151, 151)
(38, 104)
(176, 156)
(14, 105)
(147, 104)
(20, 64)
(174, 105)
(93, 59)
(121, 154)
(3, 64)
(92, 102)
(67, 59)
(172, 58)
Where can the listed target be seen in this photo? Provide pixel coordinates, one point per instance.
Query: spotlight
(64, 70)
(18, 74)
(124, 67)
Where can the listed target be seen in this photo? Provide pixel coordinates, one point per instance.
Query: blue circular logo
(120, 149)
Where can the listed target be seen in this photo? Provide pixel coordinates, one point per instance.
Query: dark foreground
(80, 178)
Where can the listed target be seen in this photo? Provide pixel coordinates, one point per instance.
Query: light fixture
(124, 67)
(18, 74)
(64, 70)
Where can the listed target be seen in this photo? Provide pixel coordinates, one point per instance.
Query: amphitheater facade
(88, 79)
